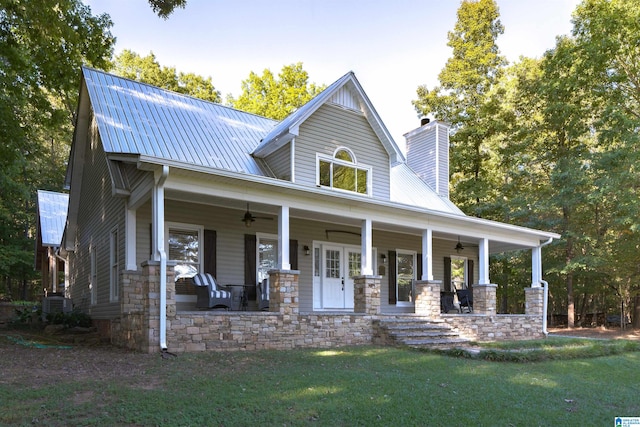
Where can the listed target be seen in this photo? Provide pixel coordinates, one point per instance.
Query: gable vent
(344, 98)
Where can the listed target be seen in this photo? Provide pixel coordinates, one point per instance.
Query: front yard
(100, 385)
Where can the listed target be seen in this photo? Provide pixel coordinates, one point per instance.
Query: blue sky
(392, 46)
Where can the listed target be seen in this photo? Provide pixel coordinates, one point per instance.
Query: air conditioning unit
(54, 305)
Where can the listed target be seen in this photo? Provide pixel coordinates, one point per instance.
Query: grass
(356, 386)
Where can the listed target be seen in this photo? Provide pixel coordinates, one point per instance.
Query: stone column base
(284, 292)
(534, 301)
(484, 298)
(427, 299)
(366, 298)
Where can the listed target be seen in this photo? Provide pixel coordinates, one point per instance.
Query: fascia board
(439, 221)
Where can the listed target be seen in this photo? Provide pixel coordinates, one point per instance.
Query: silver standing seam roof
(52, 211)
(137, 118)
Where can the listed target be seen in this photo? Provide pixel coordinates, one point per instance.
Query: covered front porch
(143, 328)
(336, 265)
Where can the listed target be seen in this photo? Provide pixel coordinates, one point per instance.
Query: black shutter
(419, 267)
(392, 277)
(293, 254)
(210, 255)
(250, 270)
(469, 273)
(447, 274)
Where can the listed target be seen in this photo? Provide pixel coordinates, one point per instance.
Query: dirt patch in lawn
(600, 332)
(38, 359)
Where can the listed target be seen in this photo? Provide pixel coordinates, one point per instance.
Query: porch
(285, 327)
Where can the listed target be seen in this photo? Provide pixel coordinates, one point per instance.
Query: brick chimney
(428, 154)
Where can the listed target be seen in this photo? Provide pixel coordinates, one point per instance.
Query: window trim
(332, 160)
(186, 227)
(465, 278)
(93, 275)
(413, 254)
(114, 265)
(265, 236)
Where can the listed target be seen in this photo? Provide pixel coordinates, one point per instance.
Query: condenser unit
(54, 305)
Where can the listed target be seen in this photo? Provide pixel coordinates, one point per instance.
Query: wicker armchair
(209, 294)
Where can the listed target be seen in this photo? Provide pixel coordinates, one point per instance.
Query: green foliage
(276, 98)
(545, 350)
(465, 99)
(75, 318)
(147, 70)
(42, 50)
(164, 8)
(26, 314)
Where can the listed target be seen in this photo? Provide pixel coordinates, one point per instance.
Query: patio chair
(263, 295)
(209, 294)
(465, 299)
(446, 302)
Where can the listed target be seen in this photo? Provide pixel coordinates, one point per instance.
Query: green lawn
(359, 386)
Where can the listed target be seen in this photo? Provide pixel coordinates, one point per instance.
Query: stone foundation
(284, 327)
(501, 327)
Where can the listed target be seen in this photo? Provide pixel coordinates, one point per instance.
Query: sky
(392, 46)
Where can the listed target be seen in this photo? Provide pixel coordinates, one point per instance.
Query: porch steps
(418, 332)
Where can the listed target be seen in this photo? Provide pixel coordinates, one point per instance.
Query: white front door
(339, 265)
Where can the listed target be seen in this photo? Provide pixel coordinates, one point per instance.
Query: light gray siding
(99, 213)
(280, 162)
(230, 243)
(331, 127)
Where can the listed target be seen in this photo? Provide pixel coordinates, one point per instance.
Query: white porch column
(130, 239)
(427, 255)
(159, 253)
(536, 266)
(284, 263)
(367, 248)
(483, 267)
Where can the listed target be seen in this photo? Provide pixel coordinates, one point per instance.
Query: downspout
(545, 298)
(159, 200)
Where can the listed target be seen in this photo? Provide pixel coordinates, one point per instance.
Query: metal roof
(136, 118)
(407, 188)
(52, 211)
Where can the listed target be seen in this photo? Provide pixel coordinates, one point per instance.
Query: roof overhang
(318, 204)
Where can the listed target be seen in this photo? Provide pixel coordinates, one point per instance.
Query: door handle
(343, 283)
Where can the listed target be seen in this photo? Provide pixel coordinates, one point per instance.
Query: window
(343, 172)
(114, 257)
(184, 248)
(458, 273)
(93, 278)
(267, 255)
(406, 273)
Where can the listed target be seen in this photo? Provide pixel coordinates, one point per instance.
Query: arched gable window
(342, 172)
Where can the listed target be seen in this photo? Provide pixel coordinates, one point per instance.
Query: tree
(276, 98)
(464, 99)
(164, 8)
(41, 51)
(607, 55)
(147, 70)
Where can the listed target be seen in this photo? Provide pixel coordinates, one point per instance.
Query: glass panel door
(405, 277)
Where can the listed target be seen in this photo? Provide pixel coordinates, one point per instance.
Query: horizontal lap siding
(331, 127)
(280, 162)
(230, 243)
(98, 213)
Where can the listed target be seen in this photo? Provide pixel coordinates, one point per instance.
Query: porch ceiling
(260, 208)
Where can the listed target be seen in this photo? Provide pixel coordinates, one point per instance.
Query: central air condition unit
(54, 305)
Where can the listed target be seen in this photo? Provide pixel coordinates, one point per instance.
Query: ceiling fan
(459, 247)
(248, 217)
